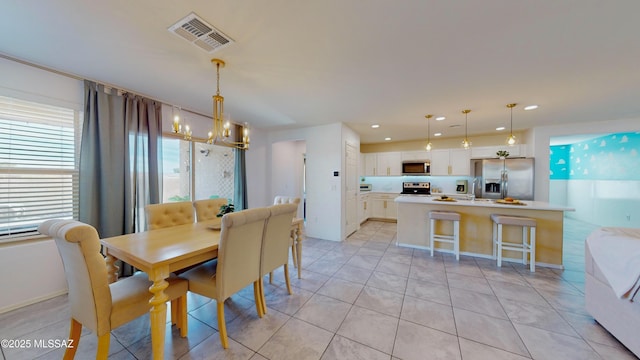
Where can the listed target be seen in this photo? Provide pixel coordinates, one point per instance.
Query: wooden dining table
(158, 253)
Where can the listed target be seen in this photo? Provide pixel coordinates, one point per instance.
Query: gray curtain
(240, 182)
(120, 160)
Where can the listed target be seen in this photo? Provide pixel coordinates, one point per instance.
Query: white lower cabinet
(383, 206)
(364, 208)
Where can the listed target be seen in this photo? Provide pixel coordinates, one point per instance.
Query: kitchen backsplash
(393, 184)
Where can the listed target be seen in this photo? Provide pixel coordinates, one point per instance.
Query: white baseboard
(32, 301)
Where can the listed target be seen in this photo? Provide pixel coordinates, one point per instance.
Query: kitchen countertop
(431, 200)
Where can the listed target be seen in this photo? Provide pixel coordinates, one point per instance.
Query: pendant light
(511, 140)
(428, 147)
(466, 144)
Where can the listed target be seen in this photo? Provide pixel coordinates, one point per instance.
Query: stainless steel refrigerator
(497, 179)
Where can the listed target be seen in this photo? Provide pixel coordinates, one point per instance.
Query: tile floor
(365, 298)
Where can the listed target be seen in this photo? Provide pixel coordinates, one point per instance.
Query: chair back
(286, 200)
(169, 214)
(85, 270)
(239, 250)
(208, 209)
(277, 237)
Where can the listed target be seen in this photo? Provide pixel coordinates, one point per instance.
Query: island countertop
(476, 227)
(525, 205)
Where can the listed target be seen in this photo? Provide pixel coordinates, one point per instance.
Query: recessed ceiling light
(387, 139)
(500, 128)
(437, 134)
(531, 107)
(375, 126)
(440, 118)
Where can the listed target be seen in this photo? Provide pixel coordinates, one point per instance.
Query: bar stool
(528, 238)
(451, 239)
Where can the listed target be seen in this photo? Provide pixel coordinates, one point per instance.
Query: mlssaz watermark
(37, 343)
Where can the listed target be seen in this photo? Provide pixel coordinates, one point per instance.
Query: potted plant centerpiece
(225, 209)
(502, 154)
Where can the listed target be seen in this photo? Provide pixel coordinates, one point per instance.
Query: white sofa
(618, 313)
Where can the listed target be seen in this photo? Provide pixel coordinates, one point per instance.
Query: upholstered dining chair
(169, 214)
(280, 199)
(208, 209)
(166, 215)
(94, 302)
(237, 265)
(275, 244)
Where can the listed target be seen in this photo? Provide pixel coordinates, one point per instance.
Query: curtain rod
(76, 77)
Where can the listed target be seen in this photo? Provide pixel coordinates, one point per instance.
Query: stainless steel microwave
(416, 167)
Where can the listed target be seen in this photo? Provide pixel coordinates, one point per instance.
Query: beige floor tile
(342, 348)
(589, 329)
(253, 332)
(370, 328)
(472, 350)
(418, 342)
(388, 282)
(470, 283)
(393, 268)
(611, 352)
(278, 298)
(324, 312)
(175, 346)
(542, 317)
(429, 313)
(525, 294)
(489, 331)
(425, 273)
(211, 348)
(354, 274)
(544, 344)
(428, 291)
(382, 301)
(297, 340)
(343, 290)
(364, 261)
(477, 302)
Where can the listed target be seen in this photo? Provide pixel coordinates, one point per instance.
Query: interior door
(351, 188)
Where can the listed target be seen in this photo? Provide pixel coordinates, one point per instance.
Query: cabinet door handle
(365, 205)
(449, 169)
(385, 204)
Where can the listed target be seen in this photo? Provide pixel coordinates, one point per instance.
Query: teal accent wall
(610, 157)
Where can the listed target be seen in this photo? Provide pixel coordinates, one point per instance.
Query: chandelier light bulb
(428, 147)
(511, 140)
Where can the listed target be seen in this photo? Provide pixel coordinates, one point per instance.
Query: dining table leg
(158, 311)
(112, 268)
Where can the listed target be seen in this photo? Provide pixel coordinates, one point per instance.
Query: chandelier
(428, 147)
(466, 144)
(224, 132)
(511, 140)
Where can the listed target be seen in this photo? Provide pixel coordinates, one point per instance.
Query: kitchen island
(476, 226)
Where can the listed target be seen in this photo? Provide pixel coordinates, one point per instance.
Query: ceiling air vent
(196, 31)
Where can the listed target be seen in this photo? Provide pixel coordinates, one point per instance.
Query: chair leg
(456, 239)
(182, 315)
(74, 335)
(532, 253)
(432, 224)
(263, 301)
(499, 245)
(103, 346)
(174, 312)
(294, 255)
(258, 297)
(222, 326)
(286, 278)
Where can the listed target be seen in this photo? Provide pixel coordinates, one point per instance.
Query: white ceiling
(300, 63)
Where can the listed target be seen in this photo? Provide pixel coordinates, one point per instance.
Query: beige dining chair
(166, 215)
(169, 214)
(237, 265)
(95, 303)
(208, 209)
(280, 199)
(275, 244)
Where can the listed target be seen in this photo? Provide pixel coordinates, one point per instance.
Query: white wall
(33, 271)
(287, 160)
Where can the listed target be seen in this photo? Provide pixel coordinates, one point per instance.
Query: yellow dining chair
(237, 265)
(280, 199)
(95, 303)
(275, 244)
(208, 209)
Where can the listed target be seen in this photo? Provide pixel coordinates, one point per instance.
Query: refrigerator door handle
(505, 184)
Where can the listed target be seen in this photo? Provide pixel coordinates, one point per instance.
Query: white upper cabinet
(450, 162)
(416, 155)
(370, 164)
(389, 164)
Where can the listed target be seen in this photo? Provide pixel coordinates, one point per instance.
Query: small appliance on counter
(416, 188)
(461, 186)
(365, 187)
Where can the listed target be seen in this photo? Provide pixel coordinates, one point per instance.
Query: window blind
(39, 146)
